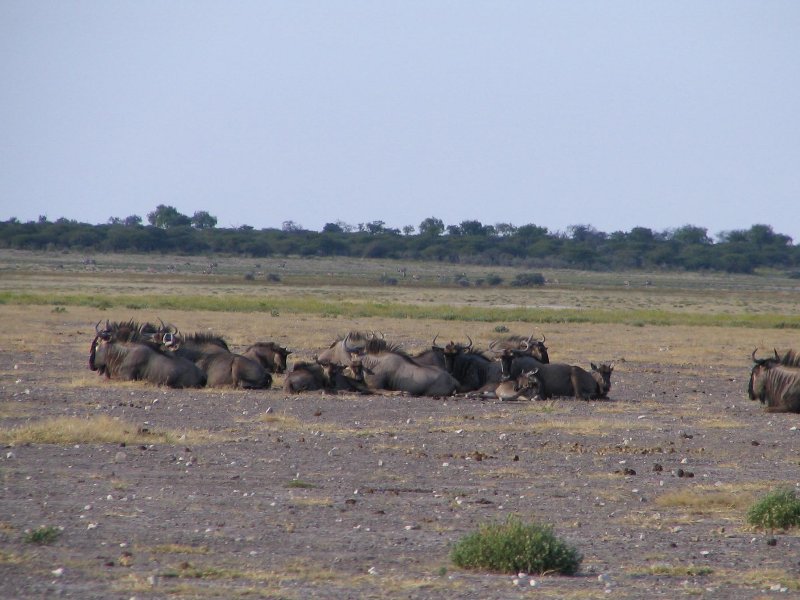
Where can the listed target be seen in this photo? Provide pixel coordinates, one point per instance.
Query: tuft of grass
(513, 547)
(779, 509)
(297, 483)
(72, 430)
(703, 501)
(678, 571)
(46, 534)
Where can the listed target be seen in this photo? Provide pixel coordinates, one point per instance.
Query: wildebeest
(133, 361)
(338, 354)
(308, 376)
(386, 367)
(270, 355)
(520, 346)
(775, 384)
(473, 370)
(524, 386)
(222, 367)
(559, 379)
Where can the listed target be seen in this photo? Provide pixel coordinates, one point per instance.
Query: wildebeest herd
(362, 362)
(365, 362)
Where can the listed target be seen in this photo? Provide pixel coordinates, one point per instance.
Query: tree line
(471, 242)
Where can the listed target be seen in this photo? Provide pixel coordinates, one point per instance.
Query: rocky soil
(257, 494)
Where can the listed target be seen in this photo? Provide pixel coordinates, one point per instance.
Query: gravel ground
(363, 496)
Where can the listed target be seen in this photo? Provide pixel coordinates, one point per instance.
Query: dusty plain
(255, 494)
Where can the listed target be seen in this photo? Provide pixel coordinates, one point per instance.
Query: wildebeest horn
(492, 344)
(470, 343)
(96, 327)
(168, 328)
(433, 343)
(347, 347)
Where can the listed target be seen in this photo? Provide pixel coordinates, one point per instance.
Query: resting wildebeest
(520, 346)
(524, 386)
(337, 353)
(775, 384)
(559, 379)
(472, 369)
(133, 361)
(270, 355)
(386, 367)
(306, 377)
(221, 366)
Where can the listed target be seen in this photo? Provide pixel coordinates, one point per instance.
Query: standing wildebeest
(775, 384)
(211, 353)
(269, 355)
(132, 361)
(559, 379)
(387, 367)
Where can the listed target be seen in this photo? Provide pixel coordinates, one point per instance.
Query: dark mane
(379, 346)
(206, 338)
(791, 359)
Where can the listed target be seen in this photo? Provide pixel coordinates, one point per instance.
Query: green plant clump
(779, 509)
(46, 534)
(514, 547)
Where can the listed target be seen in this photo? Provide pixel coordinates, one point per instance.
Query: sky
(616, 115)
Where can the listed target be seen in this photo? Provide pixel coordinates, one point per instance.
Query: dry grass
(703, 500)
(94, 430)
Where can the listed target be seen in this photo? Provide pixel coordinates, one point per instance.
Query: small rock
(58, 572)
(120, 457)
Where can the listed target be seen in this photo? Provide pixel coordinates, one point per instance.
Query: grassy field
(232, 493)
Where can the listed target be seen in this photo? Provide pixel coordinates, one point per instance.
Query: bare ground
(363, 496)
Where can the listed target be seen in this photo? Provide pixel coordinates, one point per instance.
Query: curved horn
(530, 337)
(470, 343)
(347, 347)
(543, 339)
(433, 343)
(96, 327)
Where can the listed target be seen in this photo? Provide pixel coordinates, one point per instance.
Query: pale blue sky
(613, 114)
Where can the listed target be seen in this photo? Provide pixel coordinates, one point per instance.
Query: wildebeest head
(602, 375)
(760, 367)
(521, 346)
(270, 355)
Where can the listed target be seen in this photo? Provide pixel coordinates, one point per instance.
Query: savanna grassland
(120, 490)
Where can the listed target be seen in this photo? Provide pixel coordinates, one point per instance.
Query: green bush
(46, 534)
(514, 547)
(780, 509)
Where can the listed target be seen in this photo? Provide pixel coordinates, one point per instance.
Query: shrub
(527, 280)
(494, 279)
(779, 509)
(46, 534)
(513, 547)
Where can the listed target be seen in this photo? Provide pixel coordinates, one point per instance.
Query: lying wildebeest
(133, 361)
(472, 369)
(433, 356)
(524, 386)
(222, 367)
(775, 384)
(331, 377)
(270, 355)
(386, 367)
(520, 346)
(559, 379)
(337, 353)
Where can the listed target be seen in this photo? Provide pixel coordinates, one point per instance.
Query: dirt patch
(255, 494)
